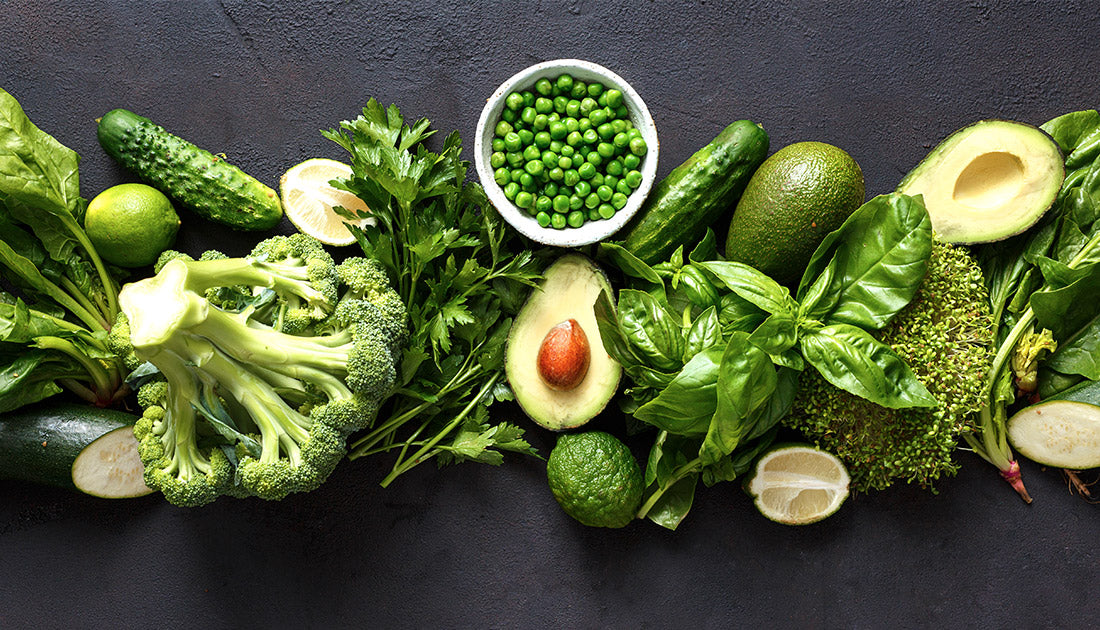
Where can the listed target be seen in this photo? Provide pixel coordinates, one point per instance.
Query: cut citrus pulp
(798, 485)
(308, 200)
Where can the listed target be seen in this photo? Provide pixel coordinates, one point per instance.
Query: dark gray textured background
(487, 547)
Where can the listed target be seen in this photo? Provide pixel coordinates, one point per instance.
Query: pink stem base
(1015, 479)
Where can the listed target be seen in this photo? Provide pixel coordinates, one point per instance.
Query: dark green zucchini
(72, 446)
(697, 194)
(191, 177)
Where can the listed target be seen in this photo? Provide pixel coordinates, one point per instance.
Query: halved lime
(798, 484)
(308, 200)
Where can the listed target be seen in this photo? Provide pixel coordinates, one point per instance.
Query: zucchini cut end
(1060, 433)
(110, 467)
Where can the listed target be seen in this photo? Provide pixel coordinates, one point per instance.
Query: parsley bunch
(462, 277)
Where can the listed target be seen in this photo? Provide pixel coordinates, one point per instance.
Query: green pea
(575, 219)
(501, 176)
(573, 108)
(605, 150)
(543, 86)
(543, 218)
(503, 128)
(585, 124)
(565, 162)
(618, 200)
(531, 152)
(557, 221)
(598, 116)
(565, 82)
(586, 170)
(526, 136)
(509, 116)
(573, 138)
(638, 146)
(559, 104)
(576, 202)
(552, 116)
(623, 187)
(594, 214)
(633, 178)
(602, 99)
(514, 158)
(557, 145)
(540, 122)
(561, 203)
(594, 158)
(558, 130)
(614, 167)
(517, 174)
(527, 116)
(619, 125)
(631, 161)
(610, 181)
(614, 97)
(550, 159)
(526, 180)
(621, 140)
(555, 174)
(550, 189)
(571, 125)
(534, 167)
(567, 150)
(595, 89)
(512, 142)
(571, 177)
(604, 192)
(528, 98)
(543, 204)
(606, 210)
(525, 199)
(622, 112)
(497, 159)
(579, 89)
(543, 105)
(566, 191)
(606, 131)
(592, 201)
(542, 139)
(498, 144)
(578, 157)
(588, 104)
(582, 188)
(597, 179)
(591, 137)
(510, 190)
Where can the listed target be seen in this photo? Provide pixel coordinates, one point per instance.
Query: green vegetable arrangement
(714, 348)
(54, 323)
(462, 276)
(1043, 286)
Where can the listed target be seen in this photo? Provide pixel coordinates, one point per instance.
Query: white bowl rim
(591, 231)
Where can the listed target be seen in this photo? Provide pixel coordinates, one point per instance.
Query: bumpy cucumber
(72, 446)
(191, 177)
(697, 194)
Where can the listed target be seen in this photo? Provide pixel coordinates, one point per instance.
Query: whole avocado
(797, 196)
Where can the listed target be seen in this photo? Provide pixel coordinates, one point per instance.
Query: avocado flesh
(988, 181)
(569, 291)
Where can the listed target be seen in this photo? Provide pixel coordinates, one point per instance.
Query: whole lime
(131, 224)
(595, 479)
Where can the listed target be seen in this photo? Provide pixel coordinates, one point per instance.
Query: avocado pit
(564, 356)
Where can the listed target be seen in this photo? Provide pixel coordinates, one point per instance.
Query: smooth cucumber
(697, 194)
(72, 446)
(191, 177)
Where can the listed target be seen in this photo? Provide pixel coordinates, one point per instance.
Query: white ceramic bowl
(591, 231)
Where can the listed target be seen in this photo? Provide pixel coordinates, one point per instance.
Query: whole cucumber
(697, 194)
(191, 177)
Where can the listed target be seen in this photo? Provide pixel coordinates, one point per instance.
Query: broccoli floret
(281, 404)
(945, 336)
(118, 342)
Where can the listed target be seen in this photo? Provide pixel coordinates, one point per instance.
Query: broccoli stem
(182, 448)
(223, 272)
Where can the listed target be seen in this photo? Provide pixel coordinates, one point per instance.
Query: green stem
(99, 376)
(420, 455)
(677, 475)
(109, 286)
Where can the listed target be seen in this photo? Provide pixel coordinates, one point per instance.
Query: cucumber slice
(1059, 433)
(73, 446)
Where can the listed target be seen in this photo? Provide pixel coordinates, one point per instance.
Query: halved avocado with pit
(988, 181)
(567, 294)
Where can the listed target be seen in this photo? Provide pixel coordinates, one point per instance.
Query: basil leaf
(687, 405)
(614, 339)
(851, 359)
(707, 249)
(655, 336)
(873, 264)
(776, 335)
(753, 286)
(675, 503)
(746, 382)
(704, 333)
(628, 263)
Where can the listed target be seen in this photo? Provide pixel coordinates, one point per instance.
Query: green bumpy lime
(131, 224)
(595, 479)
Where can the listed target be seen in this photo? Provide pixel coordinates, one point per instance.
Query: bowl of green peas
(567, 152)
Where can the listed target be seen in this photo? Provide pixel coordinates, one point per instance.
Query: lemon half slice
(309, 199)
(798, 485)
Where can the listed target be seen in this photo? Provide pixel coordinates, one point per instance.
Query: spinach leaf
(872, 265)
(1069, 129)
(1069, 308)
(29, 376)
(851, 359)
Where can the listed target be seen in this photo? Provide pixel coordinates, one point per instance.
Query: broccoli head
(246, 408)
(945, 335)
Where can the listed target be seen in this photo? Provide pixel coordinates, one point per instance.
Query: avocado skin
(797, 196)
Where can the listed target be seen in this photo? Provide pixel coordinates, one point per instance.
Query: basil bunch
(714, 348)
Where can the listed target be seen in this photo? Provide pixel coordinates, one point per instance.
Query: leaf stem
(677, 475)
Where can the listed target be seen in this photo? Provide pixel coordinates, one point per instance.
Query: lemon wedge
(798, 485)
(309, 199)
